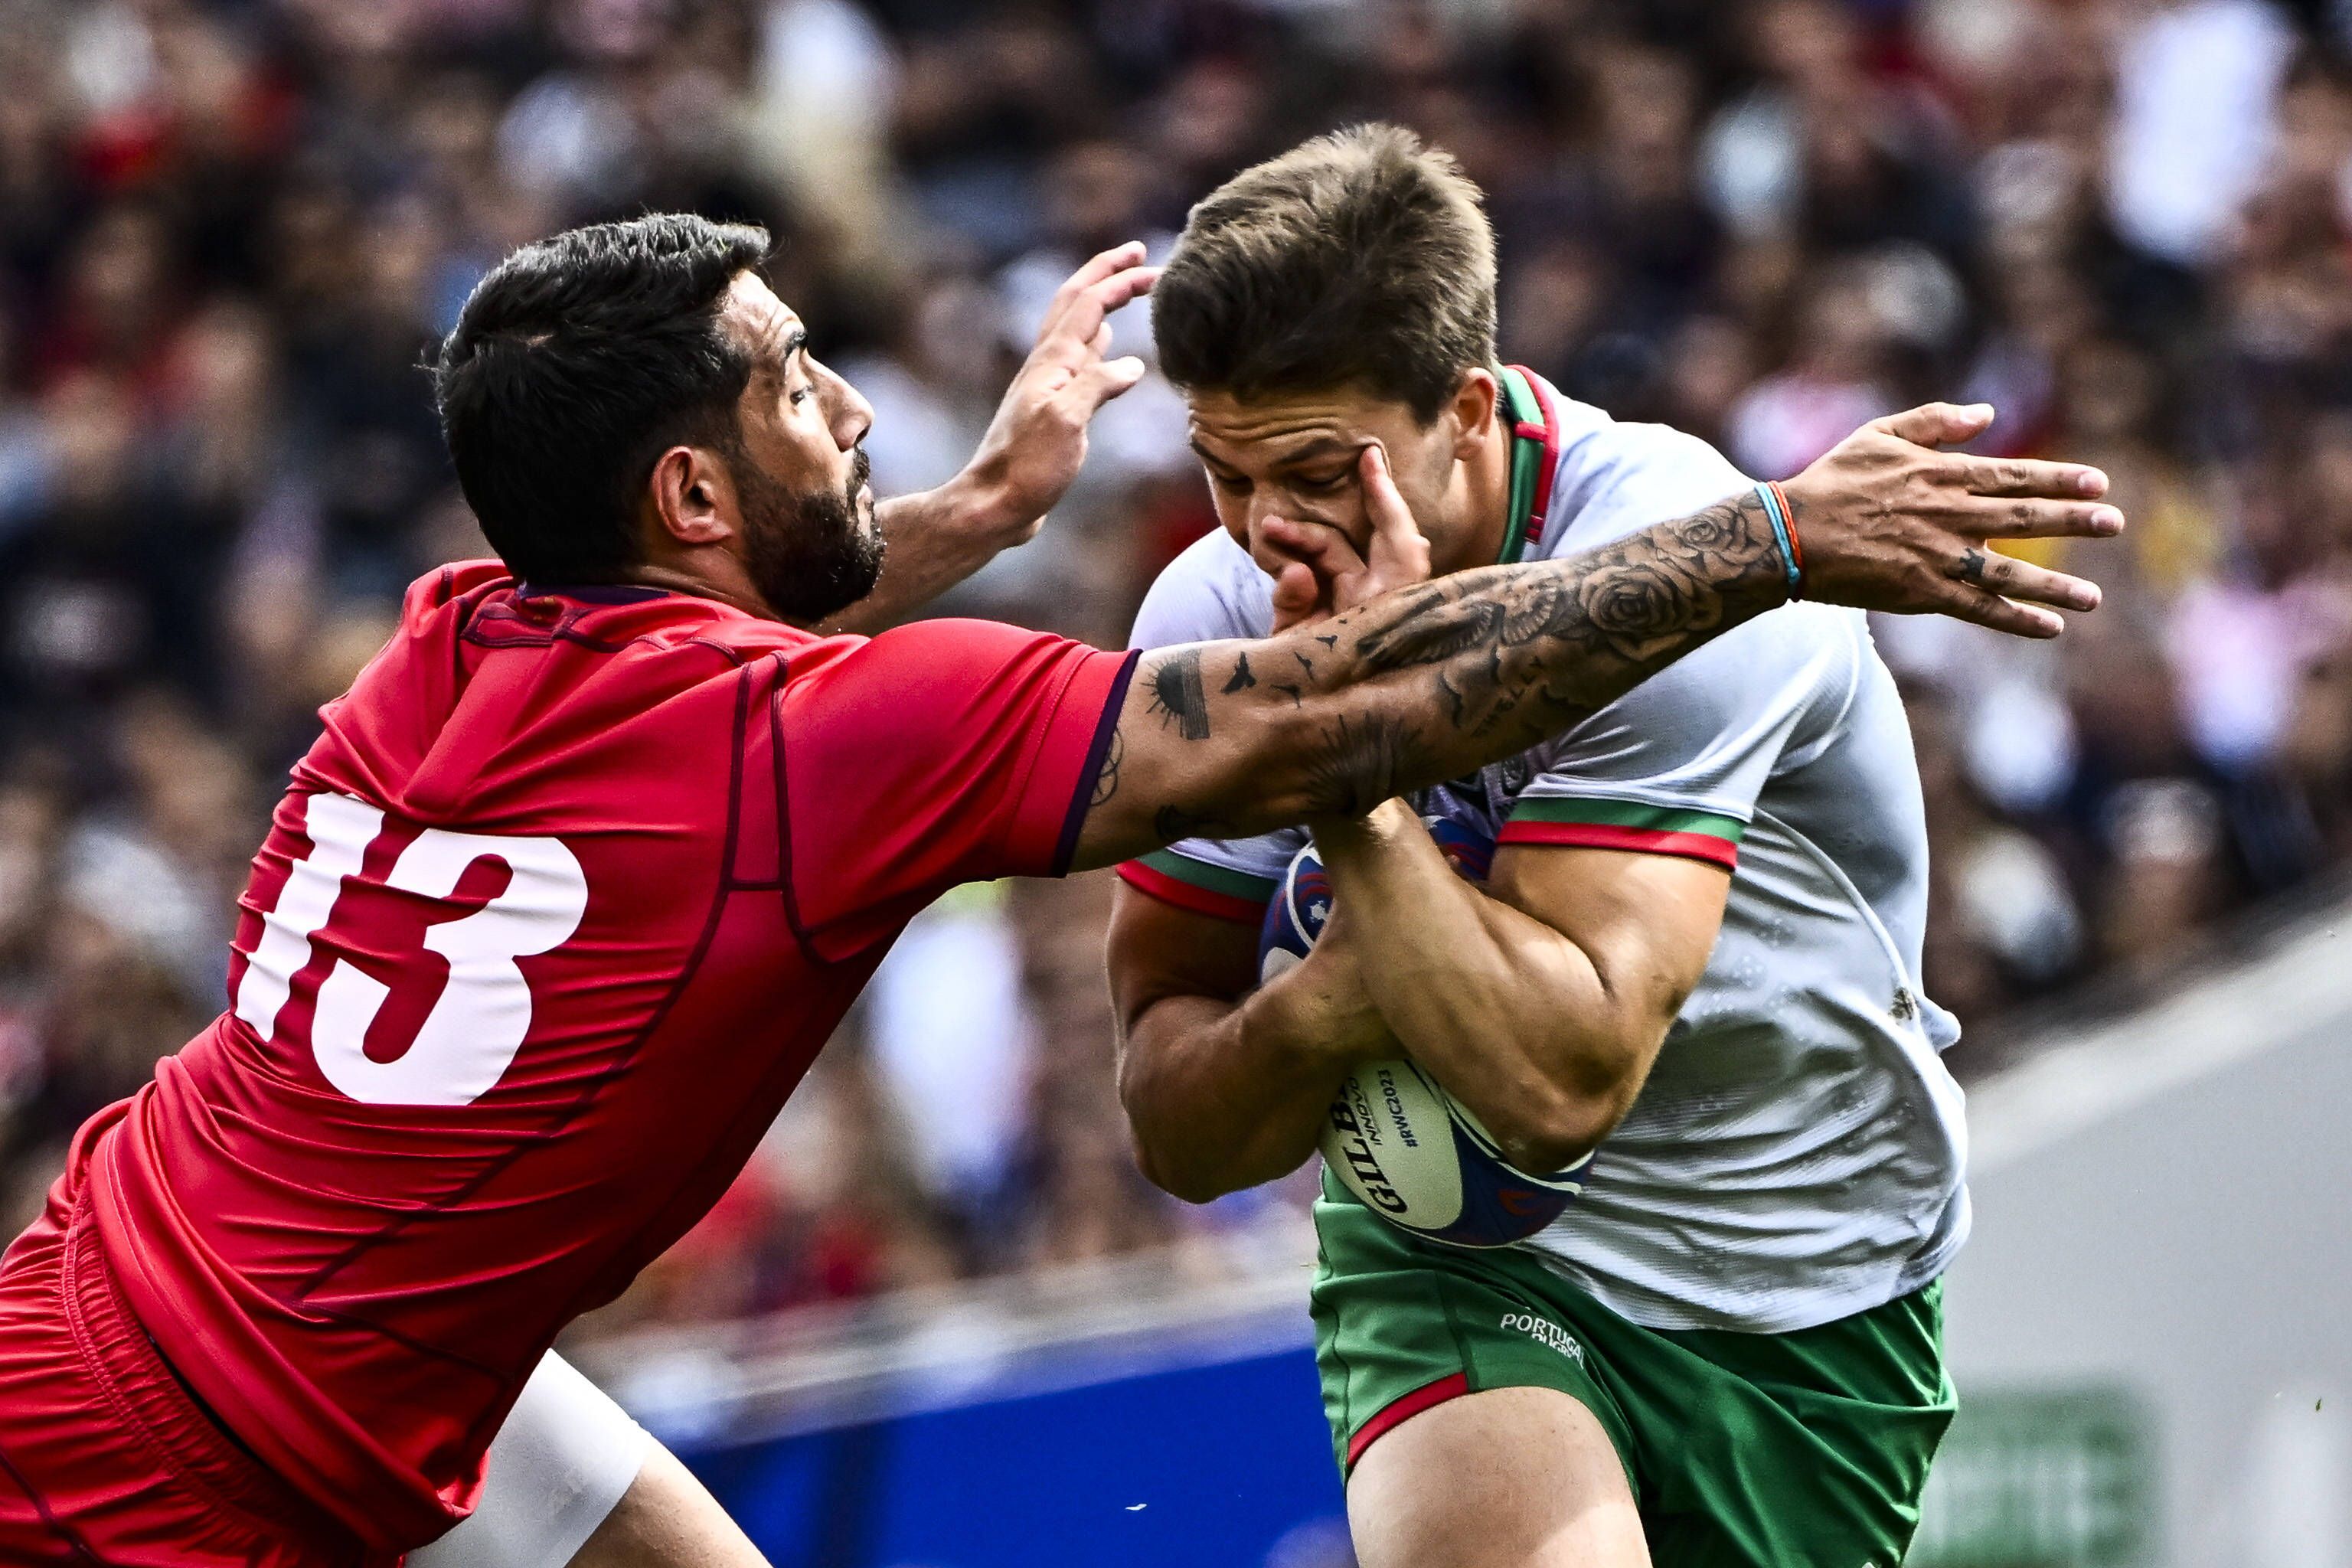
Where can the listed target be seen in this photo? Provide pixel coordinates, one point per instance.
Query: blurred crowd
(230, 229)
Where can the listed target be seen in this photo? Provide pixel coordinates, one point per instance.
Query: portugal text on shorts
(1550, 1332)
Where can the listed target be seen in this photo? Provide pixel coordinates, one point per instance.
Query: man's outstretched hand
(1037, 441)
(1028, 458)
(1886, 521)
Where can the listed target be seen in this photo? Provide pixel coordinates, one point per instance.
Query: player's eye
(800, 395)
(1321, 482)
(1232, 484)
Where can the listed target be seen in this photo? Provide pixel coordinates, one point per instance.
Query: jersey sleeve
(943, 752)
(1675, 766)
(1214, 590)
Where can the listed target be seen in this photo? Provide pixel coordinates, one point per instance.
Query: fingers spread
(2006, 615)
(1936, 424)
(1318, 545)
(1099, 265)
(2049, 520)
(1106, 379)
(1073, 325)
(1121, 288)
(2026, 476)
(2015, 579)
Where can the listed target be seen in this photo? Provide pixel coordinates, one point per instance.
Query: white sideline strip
(2077, 1079)
(945, 1346)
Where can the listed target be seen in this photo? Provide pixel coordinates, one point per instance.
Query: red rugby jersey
(550, 921)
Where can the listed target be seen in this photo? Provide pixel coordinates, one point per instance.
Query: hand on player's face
(1322, 573)
(1309, 485)
(1886, 521)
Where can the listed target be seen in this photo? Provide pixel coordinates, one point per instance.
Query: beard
(810, 555)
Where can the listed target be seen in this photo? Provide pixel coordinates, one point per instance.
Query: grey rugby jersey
(1798, 1153)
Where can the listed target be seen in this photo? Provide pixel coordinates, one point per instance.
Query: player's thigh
(1510, 1478)
(572, 1479)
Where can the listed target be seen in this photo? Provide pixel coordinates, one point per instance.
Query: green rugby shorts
(1796, 1450)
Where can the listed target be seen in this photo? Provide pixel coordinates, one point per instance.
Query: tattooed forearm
(1174, 821)
(1177, 695)
(1426, 684)
(1472, 667)
(1359, 763)
(1431, 632)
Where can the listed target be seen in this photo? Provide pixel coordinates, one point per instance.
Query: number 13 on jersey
(475, 1025)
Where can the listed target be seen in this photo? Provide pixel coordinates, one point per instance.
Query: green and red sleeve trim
(1216, 892)
(1590, 824)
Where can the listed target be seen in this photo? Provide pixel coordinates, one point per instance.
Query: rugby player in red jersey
(594, 855)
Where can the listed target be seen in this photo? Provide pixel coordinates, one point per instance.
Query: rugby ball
(1406, 1149)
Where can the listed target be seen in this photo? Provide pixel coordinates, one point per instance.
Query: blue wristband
(1770, 496)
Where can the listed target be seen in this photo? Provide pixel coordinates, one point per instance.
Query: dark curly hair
(575, 365)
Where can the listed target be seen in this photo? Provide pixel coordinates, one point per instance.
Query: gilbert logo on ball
(1406, 1149)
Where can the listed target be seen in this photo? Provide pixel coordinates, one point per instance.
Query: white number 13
(469, 1038)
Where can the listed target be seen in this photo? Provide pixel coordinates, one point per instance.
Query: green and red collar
(1534, 457)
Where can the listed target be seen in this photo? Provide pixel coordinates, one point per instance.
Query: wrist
(1345, 837)
(978, 505)
(1317, 1017)
(1780, 516)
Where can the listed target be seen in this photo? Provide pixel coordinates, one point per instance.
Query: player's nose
(852, 417)
(1265, 504)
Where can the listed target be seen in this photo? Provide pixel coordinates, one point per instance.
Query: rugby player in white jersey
(1698, 950)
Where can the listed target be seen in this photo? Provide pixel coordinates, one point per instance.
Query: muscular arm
(1542, 1008)
(1543, 1005)
(1227, 1086)
(1227, 740)
(1431, 681)
(1224, 1090)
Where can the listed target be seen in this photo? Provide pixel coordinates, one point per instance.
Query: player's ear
(1473, 411)
(692, 499)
